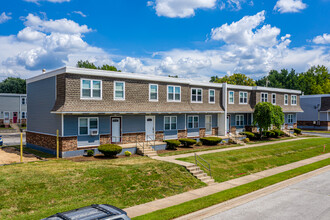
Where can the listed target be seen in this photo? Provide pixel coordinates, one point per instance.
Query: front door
(208, 124)
(150, 128)
(228, 124)
(14, 117)
(6, 118)
(115, 129)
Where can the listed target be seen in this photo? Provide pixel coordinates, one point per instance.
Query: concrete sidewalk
(217, 187)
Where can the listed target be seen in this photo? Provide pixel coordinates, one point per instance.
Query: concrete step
(196, 172)
(201, 175)
(204, 178)
(209, 182)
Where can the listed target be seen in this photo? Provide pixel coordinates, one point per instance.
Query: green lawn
(207, 201)
(196, 150)
(269, 140)
(232, 164)
(38, 189)
(324, 132)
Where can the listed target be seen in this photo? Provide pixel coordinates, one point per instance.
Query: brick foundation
(159, 135)
(104, 139)
(215, 131)
(251, 129)
(182, 134)
(202, 132)
(323, 125)
(42, 140)
(68, 143)
(233, 129)
(132, 137)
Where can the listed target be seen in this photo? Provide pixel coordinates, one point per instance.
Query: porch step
(15, 126)
(147, 150)
(287, 133)
(200, 174)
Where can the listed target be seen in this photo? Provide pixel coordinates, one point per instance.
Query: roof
(12, 94)
(125, 75)
(315, 96)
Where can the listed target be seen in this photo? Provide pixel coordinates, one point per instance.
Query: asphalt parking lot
(12, 139)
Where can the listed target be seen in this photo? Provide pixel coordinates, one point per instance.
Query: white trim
(286, 95)
(114, 91)
(291, 119)
(13, 94)
(239, 120)
(211, 122)
(193, 116)
(210, 96)
(273, 98)
(91, 89)
(145, 125)
(239, 97)
(296, 99)
(229, 91)
(62, 125)
(264, 96)
(153, 100)
(176, 123)
(173, 94)
(21, 117)
(88, 125)
(315, 96)
(92, 113)
(191, 101)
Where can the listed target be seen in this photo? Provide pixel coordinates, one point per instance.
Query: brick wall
(202, 132)
(132, 137)
(215, 131)
(105, 139)
(159, 135)
(182, 134)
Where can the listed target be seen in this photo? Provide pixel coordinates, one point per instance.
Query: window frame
(290, 116)
(292, 99)
(88, 125)
(168, 100)
(23, 98)
(191, 95)
(153, 100)
(193, 124)
(239, 117)
(287, 99)
(176, 123)
(263, 93)
(239, 97)
(274, 103)
(24, 115)
(114, 91)
(210, 96)
(229, 97)
(91, 89)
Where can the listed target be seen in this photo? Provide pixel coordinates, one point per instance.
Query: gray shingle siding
(309, 106)
(11, 103)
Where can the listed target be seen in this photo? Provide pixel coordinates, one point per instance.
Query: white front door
(228, 124)
(115, 130)
(150, 128)
(208, 124)
(6, 117)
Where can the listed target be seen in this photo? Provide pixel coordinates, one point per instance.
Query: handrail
(196, 162)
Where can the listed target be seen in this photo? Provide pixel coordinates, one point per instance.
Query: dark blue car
(1, 141)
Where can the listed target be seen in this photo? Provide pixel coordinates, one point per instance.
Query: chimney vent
(43, 70)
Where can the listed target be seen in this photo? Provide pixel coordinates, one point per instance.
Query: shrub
(172, 144)
(246, 140)
(110, 150)
(187, 142)
(295, 134)
(90, 153)
(199, 143)
(128, 153)
(269, 134)
(257, 135)
(248, 134)
(276, 132)
(210, 140)
(223, 142)
(297, 130)
(231, 141)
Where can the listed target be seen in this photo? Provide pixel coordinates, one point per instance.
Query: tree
(235, 79)
(278, 119)
(13, 85)
(89, 65)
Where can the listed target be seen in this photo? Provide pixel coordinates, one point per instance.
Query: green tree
(235, 79)
(278, 116)
(89, 65)
(13, 85)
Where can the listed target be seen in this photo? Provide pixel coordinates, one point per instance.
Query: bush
(110, 150)
(269, 134)
(257, 135)
(210, 140)
(128, 153)
(223, 142)
(90, 153)
(297, 130)
(199, 143)
(187, 142)
(246, 140)
(231, 141)
(276, 132)
(248, 134)
(295, 134)
(172, 144)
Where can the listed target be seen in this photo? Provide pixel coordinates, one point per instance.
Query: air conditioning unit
(94, 132)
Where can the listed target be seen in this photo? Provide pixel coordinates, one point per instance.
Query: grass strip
(207, 201)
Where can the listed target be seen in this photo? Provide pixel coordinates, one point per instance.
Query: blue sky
(189, 38)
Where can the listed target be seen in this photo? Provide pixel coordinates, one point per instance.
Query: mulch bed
(98, 158)
(180, 148)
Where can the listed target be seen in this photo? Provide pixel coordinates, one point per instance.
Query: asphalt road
(12, 139)
(317, 134)
(306, 200)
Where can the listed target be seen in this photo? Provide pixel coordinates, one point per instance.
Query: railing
(197, 161)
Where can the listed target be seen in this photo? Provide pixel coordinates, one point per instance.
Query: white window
(290, 118)
(196, 95)
(86, 125)
(119, 90)
(23, 115)
(293, 100)
(274, 98)
(174, 93)
(153, 92)
(231, 97)
(23, 100)
(211, 96)
(286, 99)
(239, 120)
(170, 122)
(243, 97)
(264, 97)
(193, 121)
(91, 89)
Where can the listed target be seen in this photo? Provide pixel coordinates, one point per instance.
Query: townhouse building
(13, 109)
(91, 107)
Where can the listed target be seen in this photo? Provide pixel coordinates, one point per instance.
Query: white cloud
(234, 4)
(79, 13)
(286, 6)
(180, 8)
(28, 34)
(322, 39)
(4, 17)
(61, 25)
